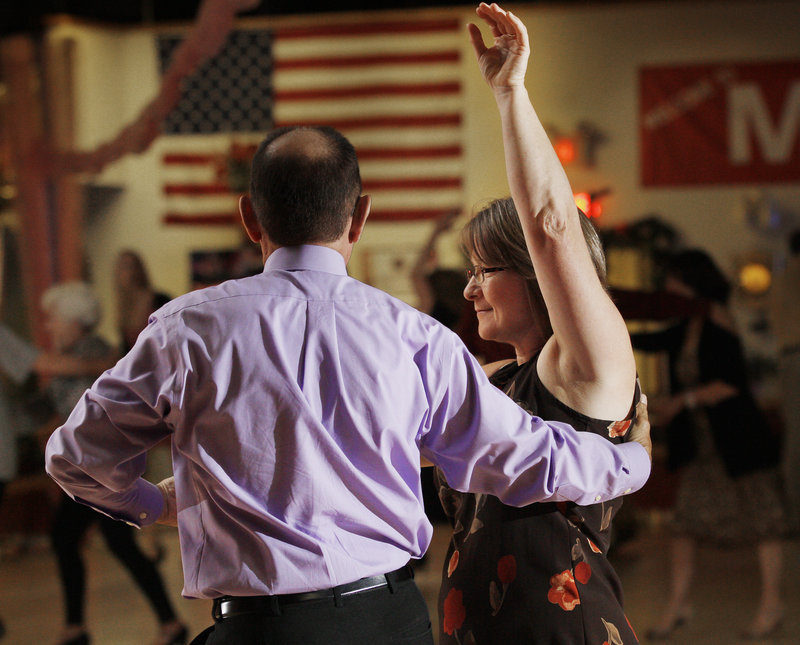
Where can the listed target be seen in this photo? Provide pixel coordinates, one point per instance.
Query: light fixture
(755, 277)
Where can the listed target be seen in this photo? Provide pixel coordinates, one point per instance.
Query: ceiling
(26, 15)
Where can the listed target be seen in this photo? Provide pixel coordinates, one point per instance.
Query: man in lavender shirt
(299, 403)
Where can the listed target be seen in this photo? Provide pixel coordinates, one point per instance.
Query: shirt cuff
(140, 507)
(631, 470)
(638, 466)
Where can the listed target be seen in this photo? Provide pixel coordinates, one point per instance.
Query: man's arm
(485, 443)
(123, 415)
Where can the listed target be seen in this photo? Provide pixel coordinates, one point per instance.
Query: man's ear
(249, 219)
(360, 215)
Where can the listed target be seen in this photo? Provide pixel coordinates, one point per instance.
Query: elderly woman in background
(517, 575)
(71, 313)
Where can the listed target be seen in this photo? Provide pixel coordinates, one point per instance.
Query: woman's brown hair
(494, 237)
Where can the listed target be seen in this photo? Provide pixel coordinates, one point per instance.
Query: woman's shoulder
(604, 394)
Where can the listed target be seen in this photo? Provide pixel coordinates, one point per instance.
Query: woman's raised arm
(588, 363)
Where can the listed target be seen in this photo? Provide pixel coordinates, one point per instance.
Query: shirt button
(142, 516)
(598, 498)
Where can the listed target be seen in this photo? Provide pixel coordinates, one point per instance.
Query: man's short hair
(304, 184)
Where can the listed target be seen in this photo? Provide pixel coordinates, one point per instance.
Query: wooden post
(25, 115)
(67, 201)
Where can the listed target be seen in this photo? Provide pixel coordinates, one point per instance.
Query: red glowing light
(565, 149)
(583, 201)
(595, 210)
(592, 208)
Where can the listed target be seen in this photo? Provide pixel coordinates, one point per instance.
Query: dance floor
(724, 594)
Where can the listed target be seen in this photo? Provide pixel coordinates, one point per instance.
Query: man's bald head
(304, 184)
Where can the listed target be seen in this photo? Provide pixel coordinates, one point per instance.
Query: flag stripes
(393, 88)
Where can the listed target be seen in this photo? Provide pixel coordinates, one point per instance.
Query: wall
(584, 67)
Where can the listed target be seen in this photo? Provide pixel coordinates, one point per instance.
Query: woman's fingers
(490, 16)
(518, 29)
(501, 18)
(476, 39)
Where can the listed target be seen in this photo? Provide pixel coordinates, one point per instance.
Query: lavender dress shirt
(299, 402)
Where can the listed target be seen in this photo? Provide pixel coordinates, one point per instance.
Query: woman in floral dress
(538, 574)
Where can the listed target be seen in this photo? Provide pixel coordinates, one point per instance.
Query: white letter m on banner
(747, 111)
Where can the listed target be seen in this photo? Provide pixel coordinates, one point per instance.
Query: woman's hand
(503, 65)
(640, 432)
(169, 514)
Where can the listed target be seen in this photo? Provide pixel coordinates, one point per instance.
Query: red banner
(725, 123)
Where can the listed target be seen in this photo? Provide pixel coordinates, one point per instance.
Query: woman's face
(126, 273)
(64, 333)
(503, 308)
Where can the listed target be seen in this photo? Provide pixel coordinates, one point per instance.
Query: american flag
(393, 88)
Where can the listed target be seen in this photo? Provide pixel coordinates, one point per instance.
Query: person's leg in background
(678, 609)
(70, 523)
(770, 610)
(122, 543)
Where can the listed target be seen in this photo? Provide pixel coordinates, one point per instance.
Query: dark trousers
(384, 616)
(70, 524)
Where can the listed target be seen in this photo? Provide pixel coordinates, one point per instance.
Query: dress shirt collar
(307, 256)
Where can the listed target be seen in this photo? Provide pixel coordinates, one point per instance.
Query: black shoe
(665, 633)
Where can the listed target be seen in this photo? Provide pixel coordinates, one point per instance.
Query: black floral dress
(537, 574)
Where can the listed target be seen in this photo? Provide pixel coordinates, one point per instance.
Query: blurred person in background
(729, 492)
(77, 355)
(136, 299)
(786, 326)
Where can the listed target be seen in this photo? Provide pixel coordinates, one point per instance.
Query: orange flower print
(454, 611)
(583, 572)
(563, 591)
(619, 428)
(593, 546)
(507, 569)
(451, 566)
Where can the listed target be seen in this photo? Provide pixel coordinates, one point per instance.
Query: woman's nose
(471, 289)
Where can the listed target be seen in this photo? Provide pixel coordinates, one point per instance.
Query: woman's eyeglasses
(478, 273)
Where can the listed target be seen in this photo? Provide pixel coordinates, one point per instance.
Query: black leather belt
(228, 606)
